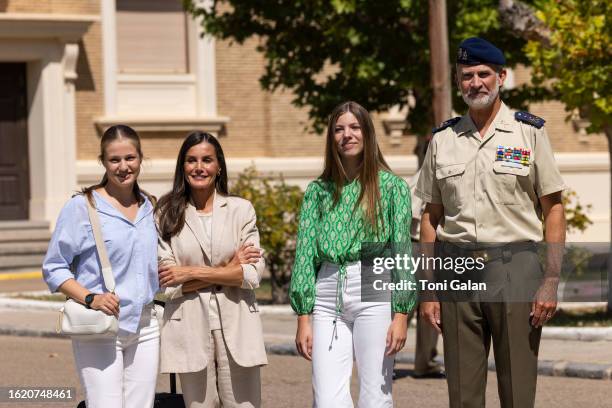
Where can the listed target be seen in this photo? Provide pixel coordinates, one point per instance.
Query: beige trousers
(223, 382)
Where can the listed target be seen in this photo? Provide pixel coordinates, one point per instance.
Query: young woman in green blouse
(356, 199)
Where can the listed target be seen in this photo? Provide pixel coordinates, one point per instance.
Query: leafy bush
(575, 213)
(277, 206)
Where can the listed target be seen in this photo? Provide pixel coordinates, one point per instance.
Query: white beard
(484, 101)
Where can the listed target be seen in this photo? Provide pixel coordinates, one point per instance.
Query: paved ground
(280, 329)
(18, 285)
(285, 381)
(596, 352)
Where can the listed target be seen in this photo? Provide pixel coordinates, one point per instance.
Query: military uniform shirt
(486, 199)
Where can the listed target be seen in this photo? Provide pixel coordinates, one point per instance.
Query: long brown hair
(171, 206)
(372, 161)
(111, 134)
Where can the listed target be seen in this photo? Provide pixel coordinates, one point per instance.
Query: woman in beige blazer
(210, 263)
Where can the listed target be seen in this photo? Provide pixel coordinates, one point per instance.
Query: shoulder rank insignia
(530, 119)
(445, 124)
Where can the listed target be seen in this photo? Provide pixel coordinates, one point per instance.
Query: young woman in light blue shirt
(118, 371)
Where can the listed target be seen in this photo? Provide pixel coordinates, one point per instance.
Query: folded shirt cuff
(250, 277)
(173, 292)
(56, 278)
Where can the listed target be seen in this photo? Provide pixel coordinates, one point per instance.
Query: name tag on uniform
(512, 165)
(515, 157)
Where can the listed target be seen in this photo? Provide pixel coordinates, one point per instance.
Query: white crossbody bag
(75, 319)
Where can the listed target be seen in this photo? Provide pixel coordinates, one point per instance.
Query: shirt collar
(104, 207)
(503, 121)
(466, 126)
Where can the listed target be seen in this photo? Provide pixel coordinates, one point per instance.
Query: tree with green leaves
(575, 60)
(373, 52)
(569, 49)
(277, 206)
(377, 52)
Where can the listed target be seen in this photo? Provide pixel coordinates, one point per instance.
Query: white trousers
(120, 371)
(360, 332)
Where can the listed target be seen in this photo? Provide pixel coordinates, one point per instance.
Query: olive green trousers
(467, 330)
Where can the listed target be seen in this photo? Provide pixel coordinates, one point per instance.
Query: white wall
(588, 174)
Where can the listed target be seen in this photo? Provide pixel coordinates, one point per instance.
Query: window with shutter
(151, 37)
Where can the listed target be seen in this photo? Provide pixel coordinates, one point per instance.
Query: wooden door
(14, 167)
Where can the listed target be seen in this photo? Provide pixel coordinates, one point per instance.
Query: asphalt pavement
(45, 362)
(560, 356)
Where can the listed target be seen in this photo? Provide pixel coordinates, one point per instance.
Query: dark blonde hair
(111, 134)
(371, 162)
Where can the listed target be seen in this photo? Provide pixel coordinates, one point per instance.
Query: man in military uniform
(490, 177)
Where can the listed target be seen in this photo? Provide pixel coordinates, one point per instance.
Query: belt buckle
(481, 254)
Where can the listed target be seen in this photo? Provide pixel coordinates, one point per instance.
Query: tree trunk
(279, 281)
(439, 64)
(608, 131)
(280, 294)
(521, 19)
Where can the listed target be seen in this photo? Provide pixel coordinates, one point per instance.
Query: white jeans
(120, 371)
(360, 331)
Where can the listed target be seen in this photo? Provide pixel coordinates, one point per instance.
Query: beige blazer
(185, 333)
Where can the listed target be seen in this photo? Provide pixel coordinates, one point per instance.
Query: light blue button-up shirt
(131, 247)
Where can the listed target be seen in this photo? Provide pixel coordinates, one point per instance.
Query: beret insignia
(530, 119)
(445, 124)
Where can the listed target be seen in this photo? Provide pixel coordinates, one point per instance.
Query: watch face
(89, 298)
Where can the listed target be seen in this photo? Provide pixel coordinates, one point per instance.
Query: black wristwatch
(89, 299)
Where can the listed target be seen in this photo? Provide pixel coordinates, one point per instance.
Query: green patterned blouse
(335, 234)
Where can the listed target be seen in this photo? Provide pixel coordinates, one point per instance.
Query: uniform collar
(503, 121)
(466, 126)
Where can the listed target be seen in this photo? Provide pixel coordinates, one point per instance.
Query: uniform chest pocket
(449, 179)
(507, 179)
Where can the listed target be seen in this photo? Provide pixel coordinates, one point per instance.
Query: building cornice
(213, 125)
(65, 27)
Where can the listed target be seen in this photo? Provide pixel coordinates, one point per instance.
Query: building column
(54, 145)
(69, 64)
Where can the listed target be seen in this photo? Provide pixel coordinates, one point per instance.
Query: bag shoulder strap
(107, 271)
